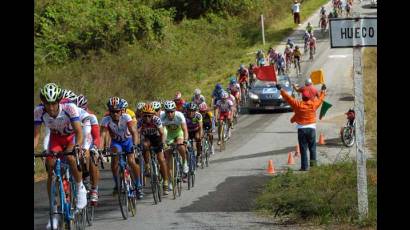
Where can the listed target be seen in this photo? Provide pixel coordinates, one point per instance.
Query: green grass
(370, 96)
(325, 195)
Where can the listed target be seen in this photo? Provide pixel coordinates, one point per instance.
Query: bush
(327, 194)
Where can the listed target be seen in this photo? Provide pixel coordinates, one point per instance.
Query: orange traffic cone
(271, 169)
(291, 161)
(322, 139)
(297, 152)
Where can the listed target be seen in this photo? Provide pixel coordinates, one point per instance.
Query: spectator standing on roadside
(308, 90)
(305, 117)
(296, 12)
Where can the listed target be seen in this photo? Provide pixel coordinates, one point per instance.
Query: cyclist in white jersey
(223, 110)
(176, 131)
(64, 123)
(124, 138)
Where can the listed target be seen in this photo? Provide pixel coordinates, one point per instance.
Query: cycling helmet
(289, 40)
(114, 103)
(241, 66)
(69, 94)
(287, 46)
(156, 105)
(51, 92)
(192, 106)
(140, 105)
(203, 107)
(178, 95)
(296, 47)
(81, 101)
(197, 92)
(218, 86)
(170, 106)
(308, 81)
(124, 103)
(232, 80)
(148, 109)
(225, 95)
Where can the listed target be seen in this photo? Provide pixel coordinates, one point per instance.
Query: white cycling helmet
(81, 101)
(51, 92)
(197, 92)
(124, 103)
(225, 95)
(69, 94)
(140, 105)
(170, 106)
(156, 105)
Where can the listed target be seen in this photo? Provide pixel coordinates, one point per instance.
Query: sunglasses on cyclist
(170, 111)
(114, 111)
(148, 116)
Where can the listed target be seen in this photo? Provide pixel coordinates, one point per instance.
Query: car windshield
(283, 80)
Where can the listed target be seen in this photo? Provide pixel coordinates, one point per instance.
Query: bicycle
(223, 133)
(311, 52)
(191, 158)
(296, 62)
(244, 93)
(348, 132)
(288, 63)
(176, 170)
(126, 188)
(156, 177)
(206, 148)
(63, 193)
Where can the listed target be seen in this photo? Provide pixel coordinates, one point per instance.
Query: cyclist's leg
(115, 148)
(127, 146)
(198, 144)
(147, 145)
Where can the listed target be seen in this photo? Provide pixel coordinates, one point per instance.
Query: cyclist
(150, 127)
(64, 123)
(322, 10)
(91, 131)
(252, 74)
(312, 45)
(195, 129)
(234, 107)
(243, 75)
(260, 58)
(128, 110)
(290, 43)
(198, 98)
(223, 110)
(309, 28)
(208, 123)
(138, 113)
(176, 132)
(235, 89)
(124, 138)
(306, 37)
(216, 94)
(179, 102)
(323, 20)
(288, 54)
(296, 57)
(272, 55)
(156, 105)
(280, 64)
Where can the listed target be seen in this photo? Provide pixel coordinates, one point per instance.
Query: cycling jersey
(224, 106)
(217, 95)
(61, 125)
(297, 53)
(151, 128)
(208, 120)
(179, 104)
(309, 28)
(243, 72)
(312, 42)
(197, 100)
(234, 87)
(131, 113)
(173, 128)
(120, 132)
(193, 123)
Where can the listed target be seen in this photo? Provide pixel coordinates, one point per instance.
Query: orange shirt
(305, 111)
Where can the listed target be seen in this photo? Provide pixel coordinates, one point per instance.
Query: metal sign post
(263, 30)
(357, 33)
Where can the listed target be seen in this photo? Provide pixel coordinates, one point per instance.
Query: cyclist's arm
(36, 135)
(78, 130)
(185, 130)
(162, 135)
(201, 128)
(134, 133)
(95, 133)
(104, 138)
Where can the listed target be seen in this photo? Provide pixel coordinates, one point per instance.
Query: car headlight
(286, 84)
(253, 96)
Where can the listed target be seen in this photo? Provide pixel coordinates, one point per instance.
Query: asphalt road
(223, 196)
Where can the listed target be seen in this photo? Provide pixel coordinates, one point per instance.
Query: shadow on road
(235, 194)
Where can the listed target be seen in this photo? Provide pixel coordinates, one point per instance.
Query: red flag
(265, 73)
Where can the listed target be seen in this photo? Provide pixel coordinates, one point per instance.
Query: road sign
(353, 32)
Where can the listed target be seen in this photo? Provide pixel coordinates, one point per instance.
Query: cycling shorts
(223, 115)
(172, 136)
(58, 143)
(155, 141)
(191, 135)
(124, 146)
(235, 94)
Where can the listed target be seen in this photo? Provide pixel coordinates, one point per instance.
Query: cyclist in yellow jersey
(208, 123)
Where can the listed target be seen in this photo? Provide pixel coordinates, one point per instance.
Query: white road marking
(338, 56)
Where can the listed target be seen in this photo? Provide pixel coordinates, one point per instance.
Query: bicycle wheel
(154, 183)
(348, 137)
(179, 177)
(174, 177)
(90, 213)
(132, 199)
(221, 134)
(208, 149)
(190, 168)
(122, 194)
(56, 200)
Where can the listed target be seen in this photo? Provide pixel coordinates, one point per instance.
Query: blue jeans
(307, 140)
